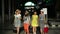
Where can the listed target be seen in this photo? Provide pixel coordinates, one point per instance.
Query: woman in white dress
(17, 20)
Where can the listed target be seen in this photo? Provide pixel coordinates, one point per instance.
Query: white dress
(17, 21)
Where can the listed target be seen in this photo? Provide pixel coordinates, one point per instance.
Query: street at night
(50, 8)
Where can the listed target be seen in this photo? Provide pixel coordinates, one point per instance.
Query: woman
(17, 20)
(34, 22)
(42, 19)
(26, 19)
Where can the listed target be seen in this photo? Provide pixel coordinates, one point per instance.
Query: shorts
(26, 27)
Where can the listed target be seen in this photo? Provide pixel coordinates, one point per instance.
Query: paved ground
(51, 31)
(8, 29)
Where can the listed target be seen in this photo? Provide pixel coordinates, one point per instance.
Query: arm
(39, 18)
(29, 20)
(19, 17)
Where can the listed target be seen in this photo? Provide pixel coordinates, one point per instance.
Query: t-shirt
(42, 17)
(26, 19)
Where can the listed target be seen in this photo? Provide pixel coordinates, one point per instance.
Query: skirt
(17, 23)
(34, 23)
(41, 24)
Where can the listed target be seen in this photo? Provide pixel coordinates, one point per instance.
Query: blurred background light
(29, 4)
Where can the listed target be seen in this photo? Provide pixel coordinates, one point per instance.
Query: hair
(17, 10)
(27, 13)
(35, 11)
(42, 11)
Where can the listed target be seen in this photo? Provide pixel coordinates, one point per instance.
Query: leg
(17, 30)
(27, 29)
(24, 31)
(34, 30)
(41, 30)
(45, 33)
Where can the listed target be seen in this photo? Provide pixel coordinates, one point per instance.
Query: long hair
(26, 13)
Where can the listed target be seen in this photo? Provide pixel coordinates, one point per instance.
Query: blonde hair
(17, 11)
